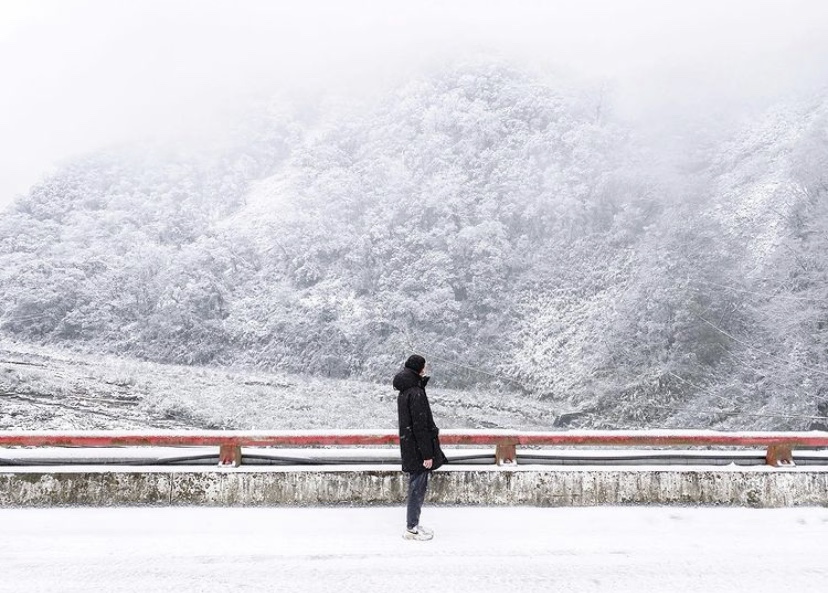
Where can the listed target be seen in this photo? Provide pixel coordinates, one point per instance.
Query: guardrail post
(779, 455)
(230, 455)
(506, 451)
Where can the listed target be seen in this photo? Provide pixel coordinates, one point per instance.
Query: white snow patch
(480, 550)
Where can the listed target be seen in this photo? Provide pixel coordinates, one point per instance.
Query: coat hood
(406, 379)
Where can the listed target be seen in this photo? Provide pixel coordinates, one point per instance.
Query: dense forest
(512, 227)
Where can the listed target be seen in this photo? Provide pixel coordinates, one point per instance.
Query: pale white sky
(77, 75)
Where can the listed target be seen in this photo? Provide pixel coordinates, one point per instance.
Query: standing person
(419, 443)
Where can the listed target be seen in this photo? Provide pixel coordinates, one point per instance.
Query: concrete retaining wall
(537, 486)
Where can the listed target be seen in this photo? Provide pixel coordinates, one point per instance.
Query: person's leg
(417, 485)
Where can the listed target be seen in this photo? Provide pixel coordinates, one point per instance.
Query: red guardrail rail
(779, 444)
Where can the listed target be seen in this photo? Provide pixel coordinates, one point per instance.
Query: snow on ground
(343, 549)
(49, 388)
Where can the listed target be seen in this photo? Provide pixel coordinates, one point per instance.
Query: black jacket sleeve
(421, 423)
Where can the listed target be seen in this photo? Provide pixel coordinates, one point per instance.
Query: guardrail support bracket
(230, 455)
(506, 452)
(779, 455)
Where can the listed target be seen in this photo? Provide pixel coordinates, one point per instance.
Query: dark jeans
(417, 486)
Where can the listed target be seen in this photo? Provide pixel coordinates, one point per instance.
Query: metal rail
(779, 445)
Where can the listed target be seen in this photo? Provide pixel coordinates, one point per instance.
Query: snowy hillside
(485, 215)
(53, 389)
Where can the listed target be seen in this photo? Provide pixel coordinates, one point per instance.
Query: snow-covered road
(618, 549)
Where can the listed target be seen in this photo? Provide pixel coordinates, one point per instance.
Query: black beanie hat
(415, 362)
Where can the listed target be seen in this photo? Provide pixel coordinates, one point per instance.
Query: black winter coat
(418, 434)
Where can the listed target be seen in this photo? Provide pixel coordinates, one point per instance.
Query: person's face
(423, 372)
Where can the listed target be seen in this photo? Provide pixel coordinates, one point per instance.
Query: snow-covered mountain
(505, 224)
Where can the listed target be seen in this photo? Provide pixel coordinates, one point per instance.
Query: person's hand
(427, 463)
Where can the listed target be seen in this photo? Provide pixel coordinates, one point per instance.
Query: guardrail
(779, 445)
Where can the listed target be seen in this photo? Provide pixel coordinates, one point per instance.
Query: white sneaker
(425, 530)
(417, 534)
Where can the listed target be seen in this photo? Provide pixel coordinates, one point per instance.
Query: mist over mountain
(517, 228)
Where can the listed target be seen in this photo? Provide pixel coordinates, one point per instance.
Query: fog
(79, 75)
